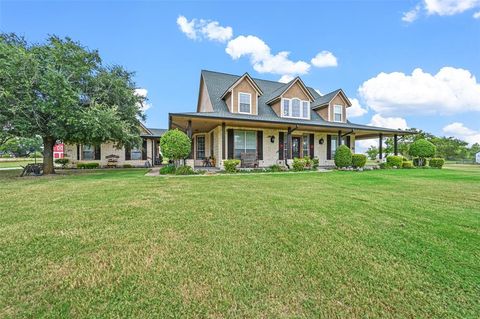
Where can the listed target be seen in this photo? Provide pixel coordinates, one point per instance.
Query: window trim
(290, 106)
(341, 112)
(204, 147)
(250, 103)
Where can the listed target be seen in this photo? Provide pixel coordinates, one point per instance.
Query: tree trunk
(48, 144)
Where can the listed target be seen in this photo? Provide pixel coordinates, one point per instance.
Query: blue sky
(364, 39)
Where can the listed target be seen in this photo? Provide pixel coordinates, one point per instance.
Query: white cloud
(459, 130)
(389, 122)
(356, 109)
(204, 29)
(324, 59)
(441, 8)
(187, 27)
(449, 7)
(318, 91)
(449, 91)
(286, 78)
(411, 15)
(143, 93)
(363, 145)
(476, 15)
(261, 57)
(213, 31)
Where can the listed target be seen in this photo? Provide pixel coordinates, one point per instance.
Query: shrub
(359, 160)
(35, 155)
(231, 165)
(175, 145)
(407, 164)
(127, 166)
(419, 163)
(6, 155)
(422, 149)
(394, 160)
(87, 165)
(167, 169)
(308, 162)
(436, 162)
(343, 156)
(384, 165)
(62, 161)
(184, 170)
(315, 162)
(299, 164)
(275, 168)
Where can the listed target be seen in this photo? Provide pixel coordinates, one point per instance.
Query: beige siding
(228, 101)
(296, 91)
(323, 112)
(245, 87)
(277, 109)
(338, 100)
(204, 102)
(70, 151)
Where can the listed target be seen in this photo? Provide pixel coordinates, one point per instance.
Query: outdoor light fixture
(272, 138)
(320, 141)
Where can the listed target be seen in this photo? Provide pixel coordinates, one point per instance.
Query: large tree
(60, 90)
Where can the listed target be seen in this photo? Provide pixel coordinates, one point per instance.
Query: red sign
(58, 151)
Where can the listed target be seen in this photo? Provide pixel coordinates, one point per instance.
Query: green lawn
(10, 163)
(114, 243)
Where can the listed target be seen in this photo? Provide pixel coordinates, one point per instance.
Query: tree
(422, 149)
(343, 156)
(175, 145)
(450, 147)
(22, 146)
(372, 152)
(61, 91)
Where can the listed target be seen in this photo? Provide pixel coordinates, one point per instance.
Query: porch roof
(203, 122)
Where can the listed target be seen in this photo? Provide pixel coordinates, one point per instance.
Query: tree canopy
(60, 90)
(175, 145)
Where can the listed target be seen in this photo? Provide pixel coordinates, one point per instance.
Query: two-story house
(238, 115)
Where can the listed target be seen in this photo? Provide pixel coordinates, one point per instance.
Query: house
(477, 158)
(240, 116)
(148, 154)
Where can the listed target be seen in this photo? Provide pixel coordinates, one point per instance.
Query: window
(295, 108)
(305, 108)
(136, 154)
(88, 152)
(200, 147)
(286, 107)
(306, 145)
(244, 142)
(244, 103)
(333, 146)
(337, 113)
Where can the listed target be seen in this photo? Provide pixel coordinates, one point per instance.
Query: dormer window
(244, 103)
(338, 113)
(295, 108)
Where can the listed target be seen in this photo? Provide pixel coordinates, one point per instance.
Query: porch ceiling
(205, 124)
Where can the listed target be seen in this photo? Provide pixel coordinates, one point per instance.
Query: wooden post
(380, 146)
(395, 144)
(339, 138)
(289, 143)
(190, 134)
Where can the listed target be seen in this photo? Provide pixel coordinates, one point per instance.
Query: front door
(296, 142)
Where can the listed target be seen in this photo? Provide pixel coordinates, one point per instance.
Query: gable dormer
(332, 107)
(242, 96)
(292, 100)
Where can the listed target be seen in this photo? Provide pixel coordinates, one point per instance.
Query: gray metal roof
(217, 83)
(157, 132)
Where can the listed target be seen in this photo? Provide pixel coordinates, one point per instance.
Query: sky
(411, 63)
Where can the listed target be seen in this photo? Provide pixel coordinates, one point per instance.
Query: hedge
(167, 169)
(436, 162)
(87, 165)
(231, 165)
(359, 160)
(343, 156)
(184, 170)
(299, 164)
(407, 164)
(394, 161)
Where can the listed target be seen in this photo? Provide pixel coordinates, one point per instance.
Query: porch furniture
(248, 160)
(32, 169)
(112, 160)
(207, 162)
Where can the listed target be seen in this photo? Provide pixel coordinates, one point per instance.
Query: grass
(18, 162)
(390, 244)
